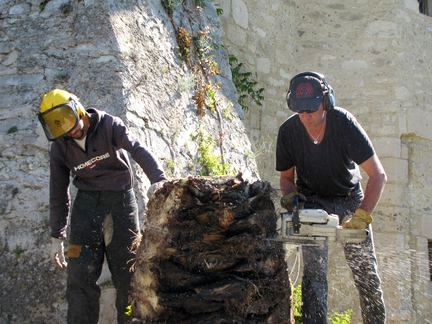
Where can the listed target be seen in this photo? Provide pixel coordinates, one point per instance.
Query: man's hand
(57, 253)
(154, 187)
(287, 201)
(360, 220)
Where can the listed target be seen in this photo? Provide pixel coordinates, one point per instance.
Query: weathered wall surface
(376, 55)
(120, 56)
(419, 171)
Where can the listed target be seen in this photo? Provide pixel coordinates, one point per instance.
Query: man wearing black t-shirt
(319, 151)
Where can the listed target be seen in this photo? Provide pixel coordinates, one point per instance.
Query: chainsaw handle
(296, 215)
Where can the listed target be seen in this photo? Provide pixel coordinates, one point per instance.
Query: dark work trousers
(86, 251)
(360, 258)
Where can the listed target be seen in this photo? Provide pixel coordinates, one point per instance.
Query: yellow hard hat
(59, 112)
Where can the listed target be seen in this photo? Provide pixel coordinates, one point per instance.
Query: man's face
(312, 119)
(78, 132)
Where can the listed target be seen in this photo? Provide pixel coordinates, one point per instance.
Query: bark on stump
(207, 255)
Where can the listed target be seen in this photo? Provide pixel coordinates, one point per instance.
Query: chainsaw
(314, 227)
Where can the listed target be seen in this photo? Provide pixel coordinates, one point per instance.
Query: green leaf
(12, 130)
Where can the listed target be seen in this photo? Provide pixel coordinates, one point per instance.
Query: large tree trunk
(207, 255)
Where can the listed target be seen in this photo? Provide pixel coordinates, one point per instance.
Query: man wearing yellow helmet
(60, 112)
(92, 146)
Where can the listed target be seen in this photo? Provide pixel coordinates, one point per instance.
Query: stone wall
(119, 56)
(376, 56)
(419, 154)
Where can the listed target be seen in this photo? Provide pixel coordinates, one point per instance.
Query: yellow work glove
(287, 201)
(360, 220)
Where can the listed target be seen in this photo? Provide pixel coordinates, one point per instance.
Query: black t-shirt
(330, 168)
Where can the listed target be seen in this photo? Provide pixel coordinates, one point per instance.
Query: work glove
(360, 220)
(154, 187)
(57, 253)
(287, 201)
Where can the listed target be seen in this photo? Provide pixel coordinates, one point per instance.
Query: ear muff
(330, 100)
(328, 92)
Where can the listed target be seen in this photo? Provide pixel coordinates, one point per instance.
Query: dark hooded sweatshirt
(103, 166)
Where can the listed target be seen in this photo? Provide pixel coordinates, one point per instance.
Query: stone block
(282, 115)
(392, 219)
(426, 225)
(236, 35)
(417, 122)
(422, 261)
(21, 80)
(354, 65)
(381, 124)
(20, 9)
(404, 151)
(254, 135)
(240, 13)
(390, 252)
(276, 82)
(402, 93)
(252, 47)
(5, 47)
(383, 29)
(388, 147)
(268, 121)
(396, 169)
(421, 214)
(285, 75)
(254, 120)
(395, 194)
(226, 7)
(11, 58)
(263, 65)
(259, 31)
(412, 5)
(272, 93)
(283, 56)
(8, 70)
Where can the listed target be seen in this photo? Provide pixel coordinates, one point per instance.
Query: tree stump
(208, 255)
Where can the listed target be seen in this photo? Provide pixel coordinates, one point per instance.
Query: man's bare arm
(375, 183)
(286, 181)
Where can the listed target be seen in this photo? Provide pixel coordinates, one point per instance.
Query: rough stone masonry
(118, 56)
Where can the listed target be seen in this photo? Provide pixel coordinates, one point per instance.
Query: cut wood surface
(208, 255)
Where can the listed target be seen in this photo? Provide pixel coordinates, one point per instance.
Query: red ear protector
(327, 90)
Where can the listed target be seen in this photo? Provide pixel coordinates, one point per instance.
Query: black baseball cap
(305, 93)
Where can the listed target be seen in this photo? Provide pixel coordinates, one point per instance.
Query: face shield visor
(59, 120)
